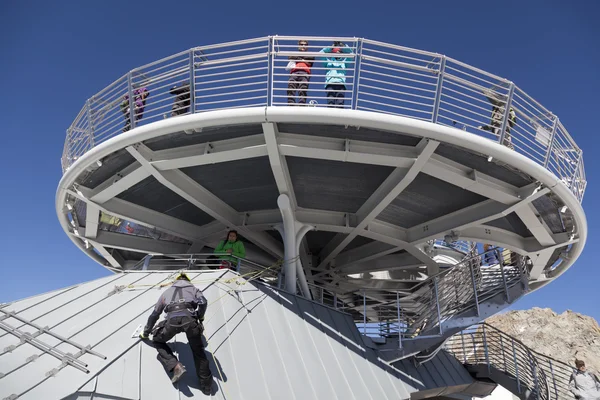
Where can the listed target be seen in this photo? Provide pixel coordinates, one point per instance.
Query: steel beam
(367, 252)
(472, 180)
(139, 244)
(210, 153)
(113, 258)
(536, 224)
(385, 263)
(202, 198)
(147, 217)
(118, 183)
(354, 151)
(394, 184)
(92, 219)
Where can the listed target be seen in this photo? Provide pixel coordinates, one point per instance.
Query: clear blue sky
(57, 54)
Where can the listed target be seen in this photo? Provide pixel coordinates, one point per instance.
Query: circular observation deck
(379, 148)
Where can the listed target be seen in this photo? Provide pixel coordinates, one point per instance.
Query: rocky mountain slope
(563, 336)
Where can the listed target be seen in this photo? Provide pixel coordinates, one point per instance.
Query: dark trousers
(193, 331)
(139, 113)
(298, 82)
(180, 107)
(335, 95)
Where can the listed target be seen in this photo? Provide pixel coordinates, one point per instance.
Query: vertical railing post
(280, 278)
(501, 264)
(503, 353)
(399, 330)
(192, 82)
(507, 107)
(516, 366)
(464, 351)
(356, 78)
(485, 349)
(475, 297)
(364, 312)
(574, 175)
(437, 303)
(271, 67)
(551, 142)
(90, 126)
(131, 102)
(474, 348)
(438, 91)
(534, 374)
(553, 379)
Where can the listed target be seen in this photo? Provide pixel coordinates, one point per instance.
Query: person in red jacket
(299, 67)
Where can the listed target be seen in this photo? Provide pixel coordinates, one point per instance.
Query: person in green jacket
(232, 246)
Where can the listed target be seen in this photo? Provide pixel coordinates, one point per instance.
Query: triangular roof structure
(262, 343)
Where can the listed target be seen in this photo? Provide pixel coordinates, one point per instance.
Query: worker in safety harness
(185, 306)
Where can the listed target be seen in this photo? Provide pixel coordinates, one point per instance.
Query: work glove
(144, 335)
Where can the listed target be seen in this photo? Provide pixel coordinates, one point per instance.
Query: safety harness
(179, 304)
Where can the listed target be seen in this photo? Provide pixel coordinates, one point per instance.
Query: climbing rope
(235, 279)
(252, 275)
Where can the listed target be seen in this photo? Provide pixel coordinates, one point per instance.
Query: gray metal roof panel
(511, 223)
(265, 343)
(334, 185)
(357, 242)
(245, 185)
(316, 240)
(549, 211)
(427, 198)
(152, 194)
(111, 164)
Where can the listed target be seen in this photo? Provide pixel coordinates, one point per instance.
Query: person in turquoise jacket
(231, 246)
(335, 78)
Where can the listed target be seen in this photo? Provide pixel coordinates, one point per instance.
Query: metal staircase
(489, 353)
(417, 321)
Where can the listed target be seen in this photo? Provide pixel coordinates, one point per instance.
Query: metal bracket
(32, 358)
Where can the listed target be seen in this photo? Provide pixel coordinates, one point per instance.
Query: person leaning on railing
(139, 100)
(232, 246)
(335, 79)
(181, 105)
(299, 67)
(583, 384)
(497, 117)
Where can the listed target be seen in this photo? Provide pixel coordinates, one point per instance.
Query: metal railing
(197, 261)
(462, 246)
(366, 75)
(498, 352)
(421, 310)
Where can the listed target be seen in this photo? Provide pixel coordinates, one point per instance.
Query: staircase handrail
(484, 344)
(421, 310)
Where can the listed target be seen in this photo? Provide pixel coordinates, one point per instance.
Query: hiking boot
(178, 371)
(206, 386)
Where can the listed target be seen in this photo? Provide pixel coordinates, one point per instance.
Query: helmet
(182, 275)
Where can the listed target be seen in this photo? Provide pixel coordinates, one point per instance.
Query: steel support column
(293, 231)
